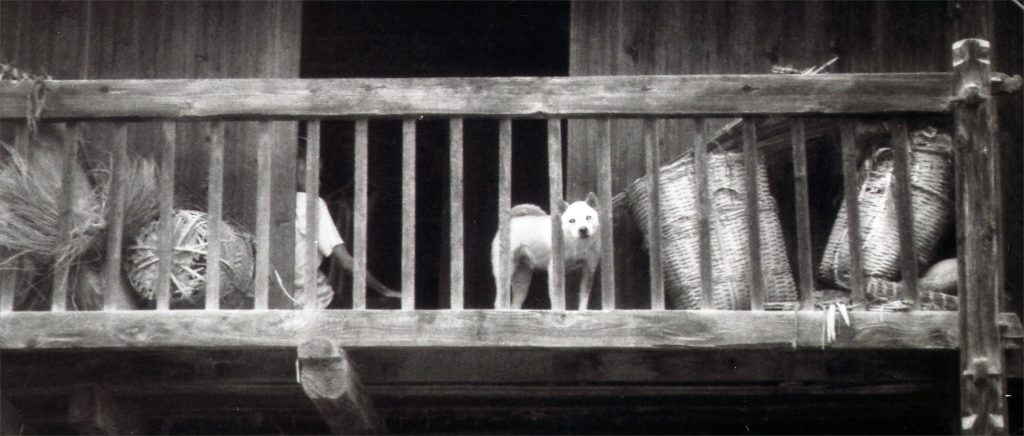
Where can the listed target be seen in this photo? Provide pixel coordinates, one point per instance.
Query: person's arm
(340, 254)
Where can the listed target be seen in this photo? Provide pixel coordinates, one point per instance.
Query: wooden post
(556, 271)
(361, 162)
(59, 300)
(904, 205)
(408, 214)
(503, 298)
(263, 181)
(700, 160)
(982, 404)
(652, 160)
(851, 194)
(330, 381)
(604, 195)
(750, 161)
(801, 195)
(312, 254)
(215, 199)
(456, 237)
(115, 296)
(93, 410)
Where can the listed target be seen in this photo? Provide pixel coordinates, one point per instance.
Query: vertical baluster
(59, 300)
(312, 182)
(11, 274)
(750, 160)
(604, 195)
(801, 194)
(361, 160)
(165, 250)
(456, 241)
(556, 274)
(408, 214)
(115, 217)
(700, 158)
(904, 205)
(851, 192)
(652, 160)
(504, 208)
(263, 181)
(215, 208)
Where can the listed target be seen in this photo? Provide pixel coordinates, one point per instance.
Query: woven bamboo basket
(188, 264)
(730, 263)
(931, 180)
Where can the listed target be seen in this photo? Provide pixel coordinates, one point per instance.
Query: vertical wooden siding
(164, 39)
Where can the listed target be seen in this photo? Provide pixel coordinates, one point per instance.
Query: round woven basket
(188, 261)
(931, 180)
(730, 250)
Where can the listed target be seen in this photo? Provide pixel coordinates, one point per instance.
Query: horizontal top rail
(526, 97)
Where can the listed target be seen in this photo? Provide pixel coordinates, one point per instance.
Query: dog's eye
(572, 220)
(588, 217)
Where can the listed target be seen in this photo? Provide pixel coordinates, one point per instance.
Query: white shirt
(327, 235)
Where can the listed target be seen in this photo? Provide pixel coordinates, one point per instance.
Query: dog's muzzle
(584, 233)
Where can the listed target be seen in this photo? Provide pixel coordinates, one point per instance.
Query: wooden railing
(215, 102)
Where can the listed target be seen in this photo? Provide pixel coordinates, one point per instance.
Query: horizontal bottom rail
(484, 328)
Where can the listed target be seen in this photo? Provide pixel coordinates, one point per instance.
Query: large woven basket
(730, 263)
(188, 262)
(931, 180)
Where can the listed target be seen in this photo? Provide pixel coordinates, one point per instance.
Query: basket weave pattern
(931, 180)
(730, 264)
(188, 261)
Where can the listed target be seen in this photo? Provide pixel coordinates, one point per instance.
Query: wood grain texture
(59, 297)
(361, 161)
(262, 237)
(556, 270)
(805, 262)
(408, 214)
(115, 219)
(330, 380)
(456, 223)
(700, 158)
(851, 195)
(215, 211)
(753, 209)
(902, 190)
(604, 195)
(312, 182)
(503, 281)
(476, 328)
(652, 161)
(166, 246)
(982, 403)
(624, 96)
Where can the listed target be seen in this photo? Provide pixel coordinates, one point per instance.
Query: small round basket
(188, 261)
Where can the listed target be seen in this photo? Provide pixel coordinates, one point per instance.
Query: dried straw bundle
(188, 261)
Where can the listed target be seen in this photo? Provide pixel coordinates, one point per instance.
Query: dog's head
(580, 219)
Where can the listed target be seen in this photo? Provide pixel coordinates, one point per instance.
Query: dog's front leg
(586, 283)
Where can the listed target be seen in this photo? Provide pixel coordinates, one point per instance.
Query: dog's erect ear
(592, 200)
(563, 205)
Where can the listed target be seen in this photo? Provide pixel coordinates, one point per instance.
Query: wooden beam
(533, 97)
(94, 411)
(476, 328)
(329, 379)
(982, 403)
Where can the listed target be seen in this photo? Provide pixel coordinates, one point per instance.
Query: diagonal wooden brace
(329, 379)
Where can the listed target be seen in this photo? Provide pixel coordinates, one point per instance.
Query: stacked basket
(730, 263)
(931, 180)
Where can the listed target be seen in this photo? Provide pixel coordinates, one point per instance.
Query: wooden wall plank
(408, 214)
(851, 195)
(262, 237)
(360, 216)
(703, 213)
(654, 242)
(753, 202)
(312, 182)
(456, 200)
(805, 262)
(604, 195)
(902, 191)
(503, 281)
(556, 269)
(215, 212)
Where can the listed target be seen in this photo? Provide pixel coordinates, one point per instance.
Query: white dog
(530, 242)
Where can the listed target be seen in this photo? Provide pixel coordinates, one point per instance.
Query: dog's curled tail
(526, 209)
